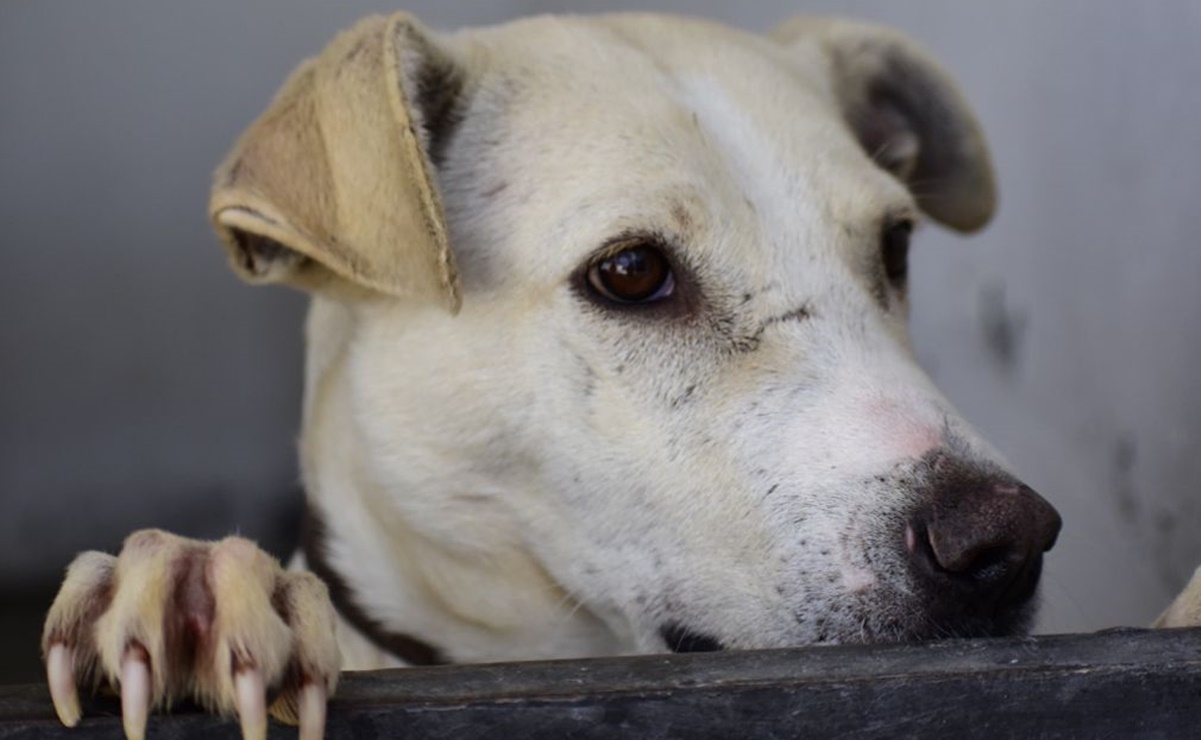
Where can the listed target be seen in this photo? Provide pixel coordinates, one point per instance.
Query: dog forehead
(631, 122)
(572, 46)
(635, 70)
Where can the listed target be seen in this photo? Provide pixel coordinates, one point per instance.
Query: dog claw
(135, 693)
(252, 703)
(312, 711)
(60, 674)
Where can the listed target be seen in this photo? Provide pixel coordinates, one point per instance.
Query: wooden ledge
(1119, 683)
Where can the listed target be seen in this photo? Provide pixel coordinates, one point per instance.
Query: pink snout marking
(900, 431)
(857, 580)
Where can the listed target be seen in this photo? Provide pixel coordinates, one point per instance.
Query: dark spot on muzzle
(681, 639)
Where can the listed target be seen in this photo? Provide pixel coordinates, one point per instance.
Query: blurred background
(142, 385)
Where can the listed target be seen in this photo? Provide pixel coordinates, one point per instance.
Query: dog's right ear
(333, 184)
(907, 114)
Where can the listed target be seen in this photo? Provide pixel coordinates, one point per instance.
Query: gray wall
(143, 385)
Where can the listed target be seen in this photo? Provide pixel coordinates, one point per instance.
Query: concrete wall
(142, 385)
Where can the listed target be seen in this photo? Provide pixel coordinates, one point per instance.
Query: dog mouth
(681, 639)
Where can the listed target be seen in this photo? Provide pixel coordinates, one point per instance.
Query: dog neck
(314, 549)
(422, 604)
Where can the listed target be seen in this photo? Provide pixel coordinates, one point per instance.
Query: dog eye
(894, 250)
(640, 273)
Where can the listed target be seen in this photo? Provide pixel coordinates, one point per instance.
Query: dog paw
(1185, 611)
(217, 622)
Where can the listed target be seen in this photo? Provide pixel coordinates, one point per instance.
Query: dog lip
(681, 639)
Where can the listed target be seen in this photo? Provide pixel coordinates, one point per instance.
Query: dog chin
(934, 624)
(919, 627)
(1012, 623)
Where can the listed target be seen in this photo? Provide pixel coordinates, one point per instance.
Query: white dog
(607, 354)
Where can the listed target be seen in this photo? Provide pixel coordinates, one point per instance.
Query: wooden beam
(1121, 683)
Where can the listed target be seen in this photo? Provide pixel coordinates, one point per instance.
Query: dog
(606, 354)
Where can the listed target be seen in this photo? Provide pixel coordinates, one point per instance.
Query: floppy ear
(907, 114)
(334, 181)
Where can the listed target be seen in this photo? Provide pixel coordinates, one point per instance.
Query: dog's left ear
(333, 186)
(907, 114)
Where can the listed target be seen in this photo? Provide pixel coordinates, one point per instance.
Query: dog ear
(333, 183)
(907, 114)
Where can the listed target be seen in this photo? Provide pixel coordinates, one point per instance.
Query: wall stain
(1122, 458)
(1003, 328)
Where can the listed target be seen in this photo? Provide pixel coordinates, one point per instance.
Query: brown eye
(639, 273)
(894, 250)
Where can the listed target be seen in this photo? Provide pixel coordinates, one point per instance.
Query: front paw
(1185, 611)
(218, 622)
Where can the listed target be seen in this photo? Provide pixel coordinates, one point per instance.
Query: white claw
(251, 696)
(312, 711)
(135, 695)
(60, 674)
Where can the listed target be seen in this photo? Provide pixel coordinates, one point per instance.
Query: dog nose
(983, 542)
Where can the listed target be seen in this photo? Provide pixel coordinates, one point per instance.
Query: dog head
(627, 296)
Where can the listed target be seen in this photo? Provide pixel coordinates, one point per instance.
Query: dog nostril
(978, 554)
(979, 562)
(990, 565)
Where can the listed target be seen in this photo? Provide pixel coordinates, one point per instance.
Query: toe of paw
(85, 594)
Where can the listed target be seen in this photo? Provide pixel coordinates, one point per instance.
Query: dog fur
(499, 463)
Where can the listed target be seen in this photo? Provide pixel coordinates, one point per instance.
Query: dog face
(678, 389)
